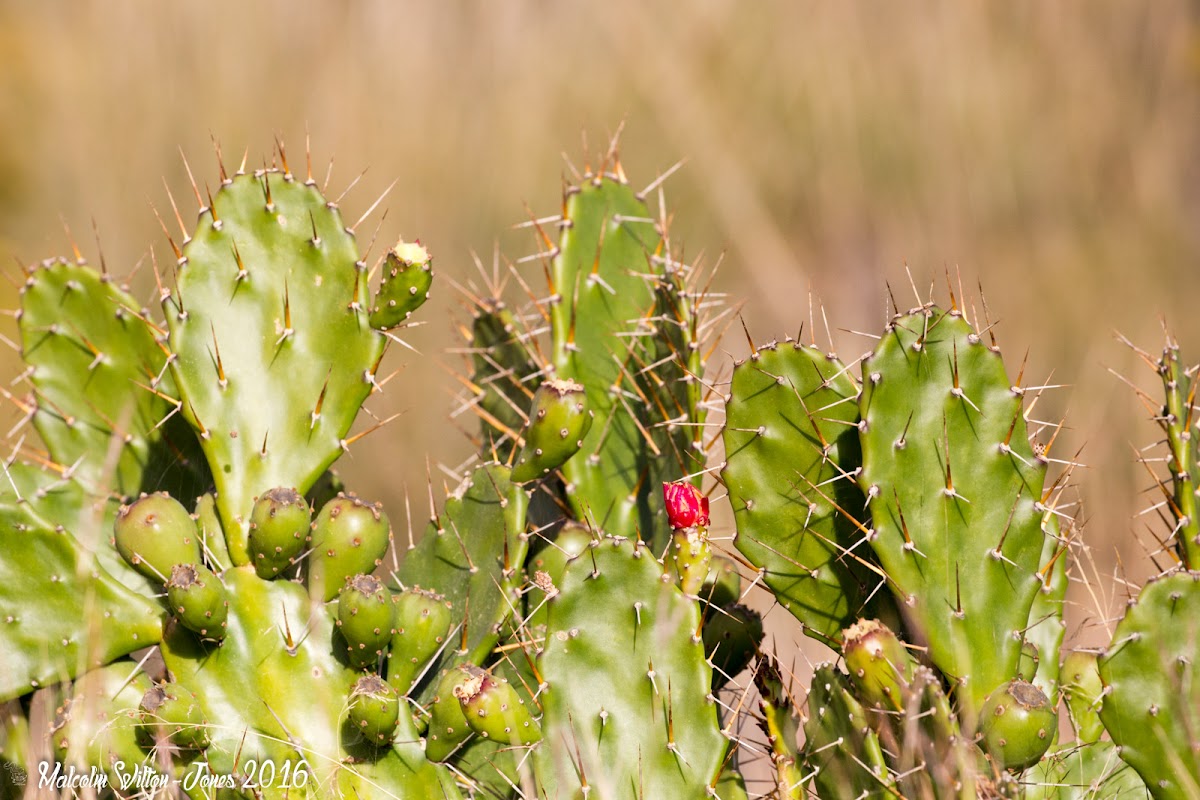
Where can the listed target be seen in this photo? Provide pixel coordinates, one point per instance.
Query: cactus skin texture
(779, 725)
(626, 683)
(1152, 703)
(471, 550)
(76, 599)
(404, 287)
(1179, 424)
(99, 375)
(954, 491)
(505, 375)
(274, 353)
(791, 448)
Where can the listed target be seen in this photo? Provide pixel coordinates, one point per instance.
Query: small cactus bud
(198, 600)
(374, 709)
(278, 530)
(174, 712)
(559, 419)
(494, 710)
(154, 533)
(686, 507)
(407, 276)
(1018, 723)
(365, 617)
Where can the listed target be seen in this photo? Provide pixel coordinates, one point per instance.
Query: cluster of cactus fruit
(187, 582)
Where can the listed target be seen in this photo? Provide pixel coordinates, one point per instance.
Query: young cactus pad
(955, 494)
(274, 352)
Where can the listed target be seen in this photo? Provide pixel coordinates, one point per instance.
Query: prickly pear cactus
(272, 350)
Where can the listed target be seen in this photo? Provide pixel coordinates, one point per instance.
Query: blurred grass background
(1046, 150)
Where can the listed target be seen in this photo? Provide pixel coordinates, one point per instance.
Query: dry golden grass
(1045, 150)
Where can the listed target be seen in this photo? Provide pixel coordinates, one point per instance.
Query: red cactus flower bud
(686, 507)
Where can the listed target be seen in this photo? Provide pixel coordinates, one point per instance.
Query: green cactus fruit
(423, 621)
(348, 537)
(365, 617)
(100, 382)
(1027, 666)
(274, 354)
(880, 666)
(448, 727)
(841, 747)
(955, 494)
(171, 711)
(198, 600)
(1018, 724)
(98, 727)
(732, 636)
(691, 555)
(404, 287)
(278, 530)
(154, 533)
(628, 699)
(559, 419)
(374, 709)
(494, 710)
(723, 585)
(212, 538)
(791, 451)
(1083, 690)
(1151, 705)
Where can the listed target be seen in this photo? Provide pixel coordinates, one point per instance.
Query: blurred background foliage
(1048, 151)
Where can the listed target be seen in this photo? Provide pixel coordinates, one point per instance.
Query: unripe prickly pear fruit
(558, 420)
(198, 600)
(349, 537)
(686, 507)
(365, 616)
(1082, 688)
(279, 526)
(494, 710)
(407, 276)
(448, 726)
(422, 624)
(154, 533)
(691, 555)
(374, 709)
(174, 712)
(1028, 664)
(1018, 724)
(879, 664)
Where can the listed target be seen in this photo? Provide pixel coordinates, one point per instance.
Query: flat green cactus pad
(627, 706)
(80, 618)
(274, 353)
(1151, 705)
(955, 494)
(791, 450)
